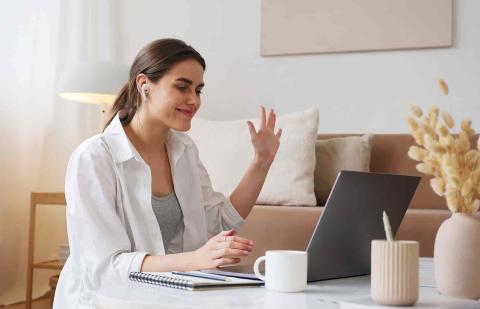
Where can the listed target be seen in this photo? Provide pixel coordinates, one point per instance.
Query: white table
(341, 293)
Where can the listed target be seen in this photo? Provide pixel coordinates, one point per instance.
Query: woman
(139, 199)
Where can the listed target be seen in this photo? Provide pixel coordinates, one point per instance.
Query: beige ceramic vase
(457, 257)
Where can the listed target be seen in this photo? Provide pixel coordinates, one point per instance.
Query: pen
(199, 275)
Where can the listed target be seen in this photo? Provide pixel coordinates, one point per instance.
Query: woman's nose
(194, 99)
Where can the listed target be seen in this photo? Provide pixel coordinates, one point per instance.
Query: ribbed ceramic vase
(457, 257)
(394, 273)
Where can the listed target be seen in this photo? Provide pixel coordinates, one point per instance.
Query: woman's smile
(187, 112)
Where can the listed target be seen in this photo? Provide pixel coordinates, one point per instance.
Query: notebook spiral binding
(170, 282)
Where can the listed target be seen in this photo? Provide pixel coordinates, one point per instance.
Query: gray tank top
(170, 218)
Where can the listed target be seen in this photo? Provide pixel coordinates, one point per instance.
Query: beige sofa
(290, 227)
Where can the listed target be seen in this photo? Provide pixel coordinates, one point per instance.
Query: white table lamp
(93, 82)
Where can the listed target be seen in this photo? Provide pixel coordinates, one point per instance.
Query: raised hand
(265, 141)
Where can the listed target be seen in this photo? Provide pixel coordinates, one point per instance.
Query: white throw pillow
(226, 151)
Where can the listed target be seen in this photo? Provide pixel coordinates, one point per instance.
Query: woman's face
(175, 98)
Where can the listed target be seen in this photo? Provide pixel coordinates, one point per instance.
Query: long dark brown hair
(154, 60)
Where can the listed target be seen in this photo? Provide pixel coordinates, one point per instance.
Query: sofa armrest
(422, 225)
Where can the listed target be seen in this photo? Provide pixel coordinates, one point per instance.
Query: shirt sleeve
(97, 236)
(219, 210)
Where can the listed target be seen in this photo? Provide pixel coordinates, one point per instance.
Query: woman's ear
(142, 85)
(144, 90)
(140, 81)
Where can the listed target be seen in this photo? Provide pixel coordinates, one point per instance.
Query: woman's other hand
(222, 249)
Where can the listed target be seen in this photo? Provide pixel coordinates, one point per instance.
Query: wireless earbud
(144, 91)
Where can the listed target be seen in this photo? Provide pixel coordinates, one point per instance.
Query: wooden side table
(52, 198)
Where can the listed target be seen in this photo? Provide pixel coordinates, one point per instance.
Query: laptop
(341, 242)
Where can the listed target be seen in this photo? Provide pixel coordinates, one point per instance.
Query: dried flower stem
(387, 227)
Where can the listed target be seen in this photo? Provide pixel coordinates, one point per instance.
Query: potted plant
(455, 169)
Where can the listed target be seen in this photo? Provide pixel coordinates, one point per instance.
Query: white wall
(355, 92)
(39, 130)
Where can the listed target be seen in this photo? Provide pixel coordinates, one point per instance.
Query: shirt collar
(123, 150)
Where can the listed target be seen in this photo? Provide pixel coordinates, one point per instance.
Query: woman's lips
(187, 113)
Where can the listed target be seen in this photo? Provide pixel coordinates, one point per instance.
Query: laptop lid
(341, 242)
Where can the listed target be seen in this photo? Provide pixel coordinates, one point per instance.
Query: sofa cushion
(333, 155)
(226, 151)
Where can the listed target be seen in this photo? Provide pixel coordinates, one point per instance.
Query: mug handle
(255, 268)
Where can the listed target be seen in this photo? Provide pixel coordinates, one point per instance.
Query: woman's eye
(185, 88)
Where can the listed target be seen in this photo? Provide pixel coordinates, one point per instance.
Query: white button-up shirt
(110, 221)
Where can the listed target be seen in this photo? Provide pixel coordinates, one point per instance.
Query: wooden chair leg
(31, 248)
(28, 298)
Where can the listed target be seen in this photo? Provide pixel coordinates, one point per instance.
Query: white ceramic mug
(285, 271)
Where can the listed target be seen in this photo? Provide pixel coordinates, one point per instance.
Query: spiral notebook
(188, 282)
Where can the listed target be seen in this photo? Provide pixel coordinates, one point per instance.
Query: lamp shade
(93, 82)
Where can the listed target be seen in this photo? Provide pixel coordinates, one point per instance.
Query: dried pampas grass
(443, 86)
(450, 160)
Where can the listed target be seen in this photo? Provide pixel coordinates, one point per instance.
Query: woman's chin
(182, 126)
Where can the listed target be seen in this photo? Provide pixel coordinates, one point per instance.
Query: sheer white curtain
(39, 39)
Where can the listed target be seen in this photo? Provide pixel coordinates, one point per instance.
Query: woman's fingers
(226, 248)
(225, 261)
(233, 242)
(231, 239)
(263, 117)
(222, 234)
(265, 122)
(227, 252)
(233, 245)
(279, 134)
(272, 117)
(251, 128)
(222, 237)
